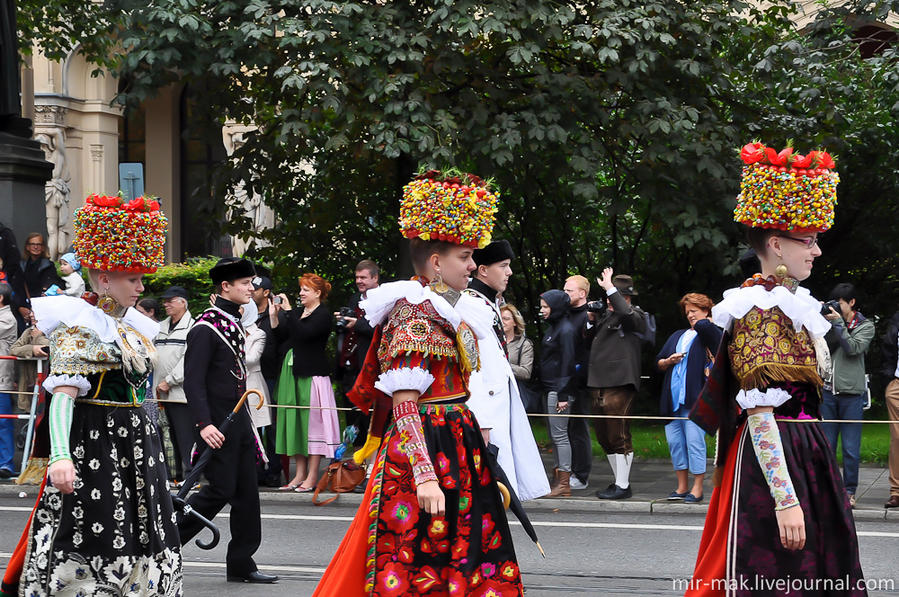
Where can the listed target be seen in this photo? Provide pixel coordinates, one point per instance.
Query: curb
(574, 504)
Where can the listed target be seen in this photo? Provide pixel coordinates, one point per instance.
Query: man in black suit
(354, 338)
(215, 377)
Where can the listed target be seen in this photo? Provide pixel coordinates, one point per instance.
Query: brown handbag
(341, 477)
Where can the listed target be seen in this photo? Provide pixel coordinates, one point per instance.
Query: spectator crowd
(588, 361)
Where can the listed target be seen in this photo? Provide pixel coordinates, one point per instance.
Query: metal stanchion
(29, 433)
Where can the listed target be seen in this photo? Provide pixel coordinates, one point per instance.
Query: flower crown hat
(458, 208)
(115, 235)
(785, 190)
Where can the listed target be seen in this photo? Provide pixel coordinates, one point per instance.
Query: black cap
(262, 282)
(229, 269)
(174, 292)
(497, 251)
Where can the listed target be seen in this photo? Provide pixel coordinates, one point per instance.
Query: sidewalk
(651, 481)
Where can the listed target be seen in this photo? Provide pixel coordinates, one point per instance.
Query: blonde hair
(582, 282)
(516, 317)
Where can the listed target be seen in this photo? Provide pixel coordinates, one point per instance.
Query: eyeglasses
(808, 242)
(34, 244)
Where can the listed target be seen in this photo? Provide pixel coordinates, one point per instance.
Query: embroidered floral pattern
(79, 350)
(116, 533)
(766, 442)
(416, 328)
(469, 550)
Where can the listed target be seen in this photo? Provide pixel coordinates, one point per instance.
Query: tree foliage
(610, 126)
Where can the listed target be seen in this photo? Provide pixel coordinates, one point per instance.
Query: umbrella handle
(188, 510)
(244, 399)
(507, 497)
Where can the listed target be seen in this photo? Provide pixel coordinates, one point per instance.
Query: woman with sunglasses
(779, 512)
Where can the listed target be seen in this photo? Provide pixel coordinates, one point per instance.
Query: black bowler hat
(497, 251)
(229, 269)
(175, 292)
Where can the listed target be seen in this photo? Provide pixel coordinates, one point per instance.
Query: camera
(341, 318)
(599, 307)
(277, 300)
(826, 307)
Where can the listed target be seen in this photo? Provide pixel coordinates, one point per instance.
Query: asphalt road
(588, 553)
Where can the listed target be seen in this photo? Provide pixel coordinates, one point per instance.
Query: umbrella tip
(540, 547)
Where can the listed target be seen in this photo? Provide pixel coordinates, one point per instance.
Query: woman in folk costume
(104, 524)
(779, 512)
(432, 520)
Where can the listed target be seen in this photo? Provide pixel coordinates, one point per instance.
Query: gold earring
(106, 303)
(781, 271)
(438, 285)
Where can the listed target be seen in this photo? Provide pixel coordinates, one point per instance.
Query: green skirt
(291, 437)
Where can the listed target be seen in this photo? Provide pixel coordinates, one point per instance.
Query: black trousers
(355, 416)
(231, 473)
(579, 437)
(184, 432)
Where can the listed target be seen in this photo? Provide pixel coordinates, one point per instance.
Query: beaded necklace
(771, 281)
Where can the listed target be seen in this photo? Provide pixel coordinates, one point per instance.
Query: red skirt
(394, 548)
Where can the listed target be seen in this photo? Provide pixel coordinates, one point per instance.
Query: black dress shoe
(6, 473)
(255, 578)
(614, 493)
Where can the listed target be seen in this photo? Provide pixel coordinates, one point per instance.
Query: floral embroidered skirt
(740, 552)
(116, 533)
(394, 548)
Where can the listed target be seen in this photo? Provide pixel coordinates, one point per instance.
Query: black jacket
(308, 338)
(557, 354)
(9, 254)
(214, 377)
(578, 318)
(40, 274)
(364, 331)
(708, 337)
(273, 353)
(615, 346)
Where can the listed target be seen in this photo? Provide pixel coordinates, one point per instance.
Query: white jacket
(255, 345)
(171, 343)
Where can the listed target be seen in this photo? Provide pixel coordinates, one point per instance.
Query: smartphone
(45, 350)
(278, 300)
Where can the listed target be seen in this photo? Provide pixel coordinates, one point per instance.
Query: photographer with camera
(354, 335)
(845, 394)
(613, 376)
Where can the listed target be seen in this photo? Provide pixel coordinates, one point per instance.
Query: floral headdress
(785, 190)
(456, 208)
(118, 236)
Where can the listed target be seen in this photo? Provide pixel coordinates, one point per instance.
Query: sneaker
(692, 499)
(674, 495)
(578, 484)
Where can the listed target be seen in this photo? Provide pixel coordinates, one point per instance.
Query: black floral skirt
(116, 533)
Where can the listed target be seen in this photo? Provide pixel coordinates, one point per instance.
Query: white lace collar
(51, 311)
(801, 307)
(380, 301)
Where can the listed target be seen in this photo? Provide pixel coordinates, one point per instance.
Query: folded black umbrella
(513, 503)
(193, 476)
